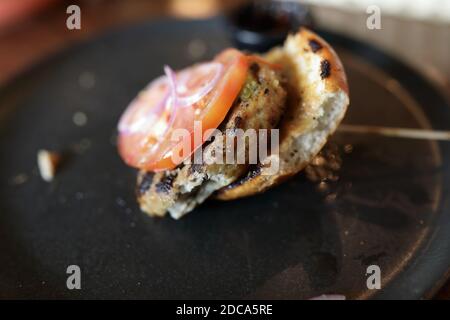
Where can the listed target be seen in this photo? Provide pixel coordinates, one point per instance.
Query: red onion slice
(196, 94)
(153, 114)
(173, 99)
(141, 114)
(171, 104)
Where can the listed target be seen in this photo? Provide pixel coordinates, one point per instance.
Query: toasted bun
(317, 102)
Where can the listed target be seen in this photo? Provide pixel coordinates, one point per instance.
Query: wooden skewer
(424, 134)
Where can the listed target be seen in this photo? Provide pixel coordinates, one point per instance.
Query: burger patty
(260, 104)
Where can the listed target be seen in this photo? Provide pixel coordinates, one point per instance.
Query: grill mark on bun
(254, 171)
(237, 122)
(145, 184)
(325, 69)
(314, 45)
(165, 185)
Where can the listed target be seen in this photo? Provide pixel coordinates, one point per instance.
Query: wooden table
(29, 42)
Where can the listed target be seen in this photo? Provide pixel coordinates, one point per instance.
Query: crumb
(86, 80)
(79, 119)
(348, 148)
(121, 202)
(47, 163)
(19, 179)
(318, 161)
(331, 197)
(322, 186)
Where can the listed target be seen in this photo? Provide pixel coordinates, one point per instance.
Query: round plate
(389, 206)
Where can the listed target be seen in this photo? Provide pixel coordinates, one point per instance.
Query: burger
(180, 128)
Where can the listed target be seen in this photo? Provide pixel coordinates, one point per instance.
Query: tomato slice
(201, 93)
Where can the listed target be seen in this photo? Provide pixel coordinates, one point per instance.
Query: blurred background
(417, 32)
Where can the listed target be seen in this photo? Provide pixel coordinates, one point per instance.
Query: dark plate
(391, 206)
